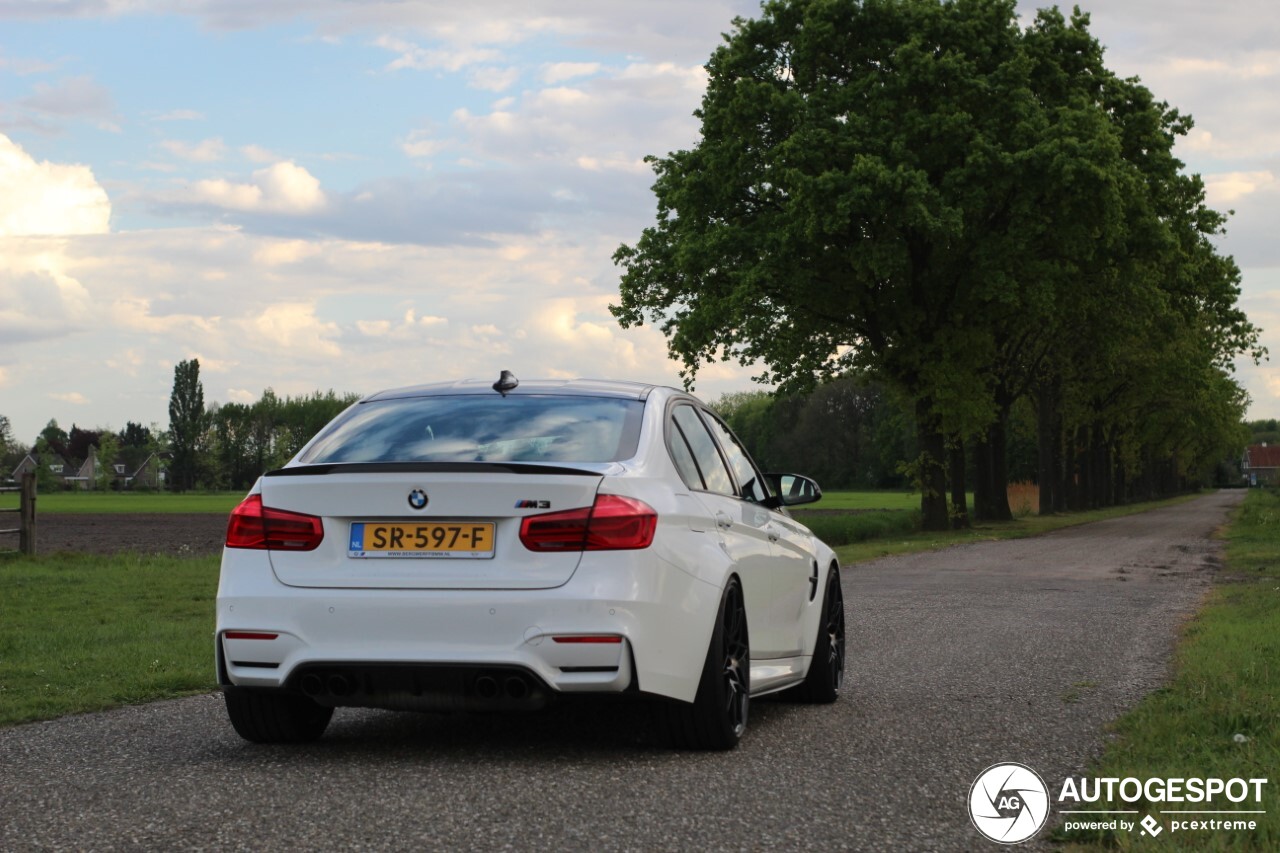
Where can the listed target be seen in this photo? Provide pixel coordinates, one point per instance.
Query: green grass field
(866, 500)
(86, 632)
(118, 502)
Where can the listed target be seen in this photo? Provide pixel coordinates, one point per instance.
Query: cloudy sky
(315, 194)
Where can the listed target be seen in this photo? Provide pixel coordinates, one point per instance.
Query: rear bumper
(398, 646)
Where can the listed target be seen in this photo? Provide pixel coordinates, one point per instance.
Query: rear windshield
(469, 428)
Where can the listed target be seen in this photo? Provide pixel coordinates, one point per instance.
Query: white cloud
(1242, 66)
(24, 67)
(558, 72)
(284, 187)
(48, 198)
(38, 301)
(422, 143)
(258, 154)
(280, 252)
(294, 328)
(494, 79)
(1224, 189)
(302, 315)
(73, 397)
(410, 327)
(205, 151)
(413, 56)
(127, 361)
(74, 97)
(180, 115)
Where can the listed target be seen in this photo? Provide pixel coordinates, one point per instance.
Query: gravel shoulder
(1005, 651)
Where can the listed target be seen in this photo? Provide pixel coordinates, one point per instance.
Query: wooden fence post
(27, 506)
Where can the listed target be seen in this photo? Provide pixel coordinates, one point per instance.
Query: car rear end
(452, 548)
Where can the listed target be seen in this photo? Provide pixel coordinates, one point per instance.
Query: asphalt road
(1014, 651)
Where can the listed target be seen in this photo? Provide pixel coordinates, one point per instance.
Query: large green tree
(872, 181)
(187, 423)
(926, 192)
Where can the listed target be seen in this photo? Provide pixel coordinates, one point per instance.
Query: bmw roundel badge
(418, 499)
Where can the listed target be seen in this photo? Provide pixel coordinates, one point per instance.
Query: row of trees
(228, 445)
(977, 216)
(218, 446)
(854, 433)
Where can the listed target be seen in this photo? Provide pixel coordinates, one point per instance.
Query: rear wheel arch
(717, 718)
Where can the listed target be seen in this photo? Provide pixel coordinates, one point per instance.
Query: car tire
(826, 671)
(263, 716)
(717, 717)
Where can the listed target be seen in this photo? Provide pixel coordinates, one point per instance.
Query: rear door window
(711, 466)
(751, 484)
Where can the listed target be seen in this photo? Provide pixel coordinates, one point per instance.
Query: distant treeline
(853, 433)
(243, 440)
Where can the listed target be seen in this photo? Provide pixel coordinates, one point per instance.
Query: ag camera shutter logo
(1008, 803)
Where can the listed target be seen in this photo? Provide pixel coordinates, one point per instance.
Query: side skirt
(770, 676)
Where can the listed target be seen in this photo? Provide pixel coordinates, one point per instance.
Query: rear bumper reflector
(607, 638)
(248, 635)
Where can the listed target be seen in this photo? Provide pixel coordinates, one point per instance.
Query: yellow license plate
(467, 540)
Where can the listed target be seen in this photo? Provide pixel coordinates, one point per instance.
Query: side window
(715, 475)
(682, 456)
(749, 479)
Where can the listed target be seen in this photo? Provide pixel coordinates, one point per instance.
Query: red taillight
(253, 525)
(614, 523)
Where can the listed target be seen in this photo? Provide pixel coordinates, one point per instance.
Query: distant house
(150, 474)
(127, 472)
(58, 467)
(1261, 464)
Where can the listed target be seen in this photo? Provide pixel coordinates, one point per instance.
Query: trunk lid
(384, 499)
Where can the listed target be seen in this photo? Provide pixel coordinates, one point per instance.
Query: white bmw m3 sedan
(487, 546)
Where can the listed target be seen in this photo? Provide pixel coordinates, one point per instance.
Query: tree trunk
(933, 472)
(1082, 486)
(1100, 467)
(1049, 450)
(991, 488)
(959, 500)
(1119, 487)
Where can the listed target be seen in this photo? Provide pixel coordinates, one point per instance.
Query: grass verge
(1019, 528)
(868, 500)
(1220, 716)
(84, 632)
(844, 529)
